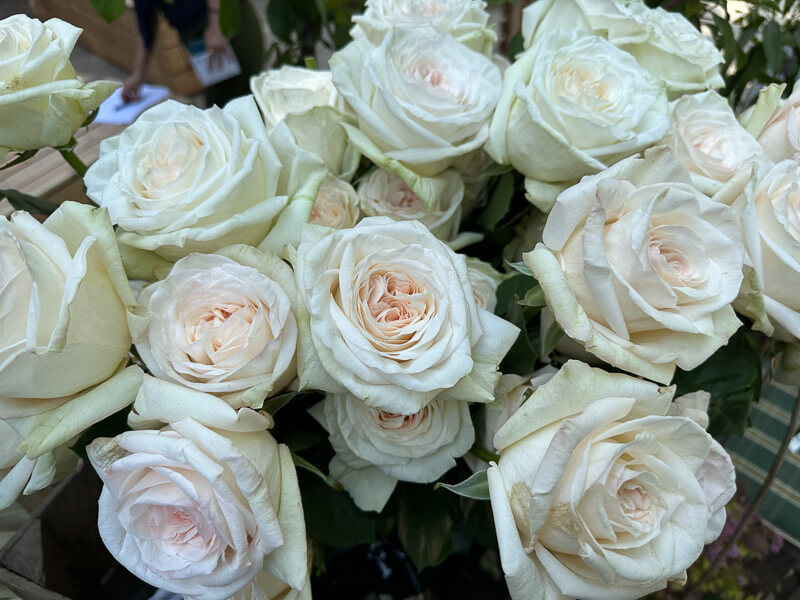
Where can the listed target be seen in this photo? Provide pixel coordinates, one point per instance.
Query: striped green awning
(754, 452)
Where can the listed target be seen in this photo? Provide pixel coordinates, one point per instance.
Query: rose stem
(483, 454)
(74, 162)
(693, 591)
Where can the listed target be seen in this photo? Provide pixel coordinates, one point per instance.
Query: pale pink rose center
(220, 329)
(635, 502)
(394, 421)
(171, 156)
(389, 299)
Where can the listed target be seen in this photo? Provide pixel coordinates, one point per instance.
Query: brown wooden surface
(47, 174)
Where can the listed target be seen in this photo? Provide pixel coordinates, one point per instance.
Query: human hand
(216, 45)
(130, 89)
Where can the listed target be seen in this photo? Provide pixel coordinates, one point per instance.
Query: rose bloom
(602, 490)
(42, 101)
(771, 230)
(464, 20)
(708, 140)
(375, 449)
(573, 104)
(780, 137)
(64, 337)
(182, 180)
(390, 317)
(307, 101)
(641, 268)
(384, 194)
(664, 43)
(222, 324)
(336, 204)
(420, 97)
(202, 505)
(484, 279)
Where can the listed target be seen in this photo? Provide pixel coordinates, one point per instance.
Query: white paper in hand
(116, 111)
(222, 66)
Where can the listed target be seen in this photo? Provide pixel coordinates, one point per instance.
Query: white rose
(665, 43)
(63, 332)
(599, 494)
(511, 393)
(182, 180)
(384, 194)
(375, 449)
(465, 20)
(390, 317)
(222, 324)
(336, 204)
(484, 279)
(675, 52)
(42, 101)
(708, 140)
(573, 104)
(771, 230)
(641, 268)
(421, 98)
(780, 137)
(20, 475)
(309, 104)
(200, 506)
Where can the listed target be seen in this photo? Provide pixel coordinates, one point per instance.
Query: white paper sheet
(228, 68)
(115, 111)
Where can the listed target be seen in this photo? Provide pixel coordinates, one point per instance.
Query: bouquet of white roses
(423, 266)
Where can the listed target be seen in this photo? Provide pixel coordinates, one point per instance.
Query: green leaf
(424, 524)
(331, 517)
(499, 203)
(20, 158)
(32, 204)
(733, 378)
(534, 297)
(495, 169)
(551, 338)
(475, 487)
(287, 17)
(510, 290)
(230, 17)
(302, 463)
(773, 48)
(109, 9)
(516, 46)
(274, 404)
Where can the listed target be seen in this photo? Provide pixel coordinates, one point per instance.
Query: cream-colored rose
(309, 104)
(780, 137)
(708, 140)
(64, 337)
(420, 97)
(641, 268)
(573, 104)
(20, 475)
(484, 279)
(336, 204)
(222, 324)
(201, 505)
(771, 231)
(665, 43)
(389, 315)
(600, 493)
(465, 20)
(182, 180)
(42, 101)
(384, 194)
(375, 449)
